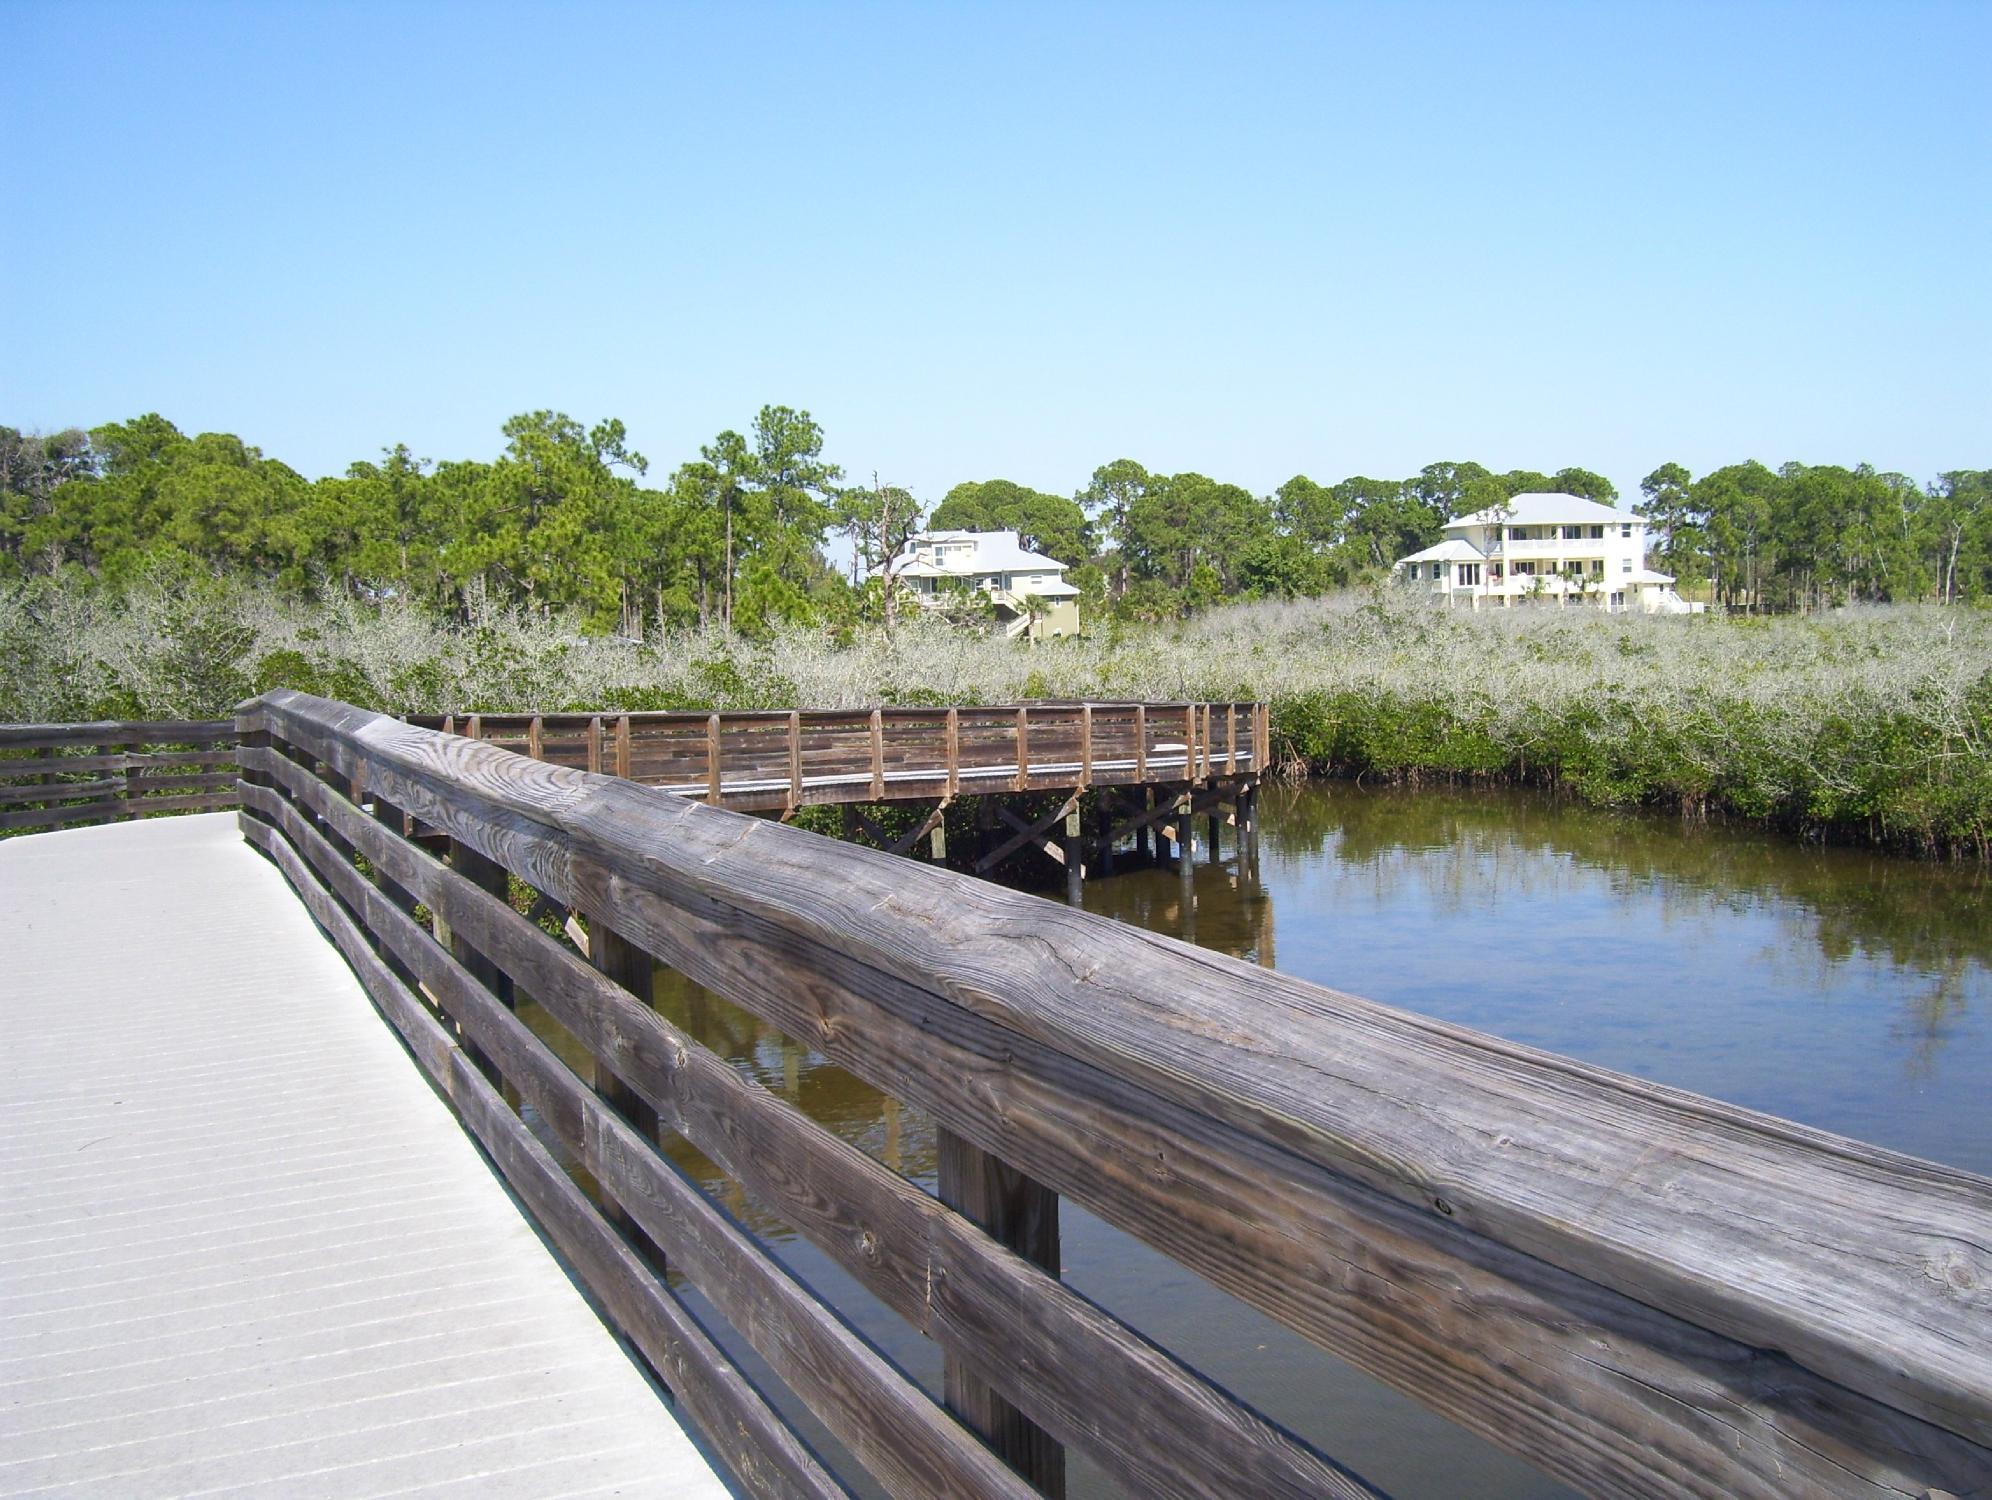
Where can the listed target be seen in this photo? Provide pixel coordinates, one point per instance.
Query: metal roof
(1538, 509)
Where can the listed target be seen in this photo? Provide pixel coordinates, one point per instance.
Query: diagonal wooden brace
(1029, 833)
(904, 844)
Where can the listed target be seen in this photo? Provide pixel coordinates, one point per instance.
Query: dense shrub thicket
(1871, 723)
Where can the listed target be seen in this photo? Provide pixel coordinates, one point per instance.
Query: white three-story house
(1549, 549)
(1028, 589)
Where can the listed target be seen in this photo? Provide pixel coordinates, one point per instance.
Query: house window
(1597, 533)
(1618, 601)
(1494, 570)
(1467, 574)
(1626, 566)
(1626, 529)
(1412, 571)
(1597, 567)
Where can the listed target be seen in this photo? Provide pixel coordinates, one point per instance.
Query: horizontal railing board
(73, 791)
(115, 732)
(886, 1422)
(1075, 1370)
(109, 811)
(823, 756)
(734, 1417)
(12, 796)
(1750, 1420)
(144, 783)
(69, 765)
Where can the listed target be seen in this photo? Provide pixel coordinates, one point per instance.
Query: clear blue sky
(983, 241)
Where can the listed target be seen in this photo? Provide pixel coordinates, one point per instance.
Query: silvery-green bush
(1872, 722)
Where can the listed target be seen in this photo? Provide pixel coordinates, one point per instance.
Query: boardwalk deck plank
(326, 1340)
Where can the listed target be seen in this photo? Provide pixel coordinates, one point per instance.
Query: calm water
(1836, 988)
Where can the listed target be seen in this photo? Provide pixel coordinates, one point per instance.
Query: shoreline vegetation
(1868, 724)
(1840, 686)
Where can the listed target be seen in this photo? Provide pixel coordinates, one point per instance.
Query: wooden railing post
(795, 760)
(635, 970)
(878, 754)
(1141, 743)
(1021, 1214)
(487, 875)
(595, 744)
(1085, 746)
(250, 736)
(396, 823)
(622, 746)
(1023, 749)
(954, 752)
(714, 786)
(124, 778)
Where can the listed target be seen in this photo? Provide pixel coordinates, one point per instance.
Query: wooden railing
(782, 758)
(1639, 1290)
(69, 775)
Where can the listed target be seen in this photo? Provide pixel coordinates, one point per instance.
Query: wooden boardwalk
(242, 1250)
(766, 761)
(244, 1247)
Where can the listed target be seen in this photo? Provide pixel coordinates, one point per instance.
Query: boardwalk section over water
(1642, 1291)
(1033, 771)
(782, 759)
(1636, 1289)
(246, 1249)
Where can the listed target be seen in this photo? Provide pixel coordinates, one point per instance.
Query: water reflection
(1842, 988)
(1827, 985)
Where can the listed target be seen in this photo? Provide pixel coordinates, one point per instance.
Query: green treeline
(567, 521)
(145, 573)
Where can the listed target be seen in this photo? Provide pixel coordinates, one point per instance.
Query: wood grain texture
(1075, 1370)
(1022, 1216)
(902, 1438)
(1462, 1215)
(70, 765)
(759, 1447)
(117, 732)
(115, 810)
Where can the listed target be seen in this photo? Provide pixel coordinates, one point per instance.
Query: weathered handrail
(1639, 1290)
(73, 775)
(757, 760)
